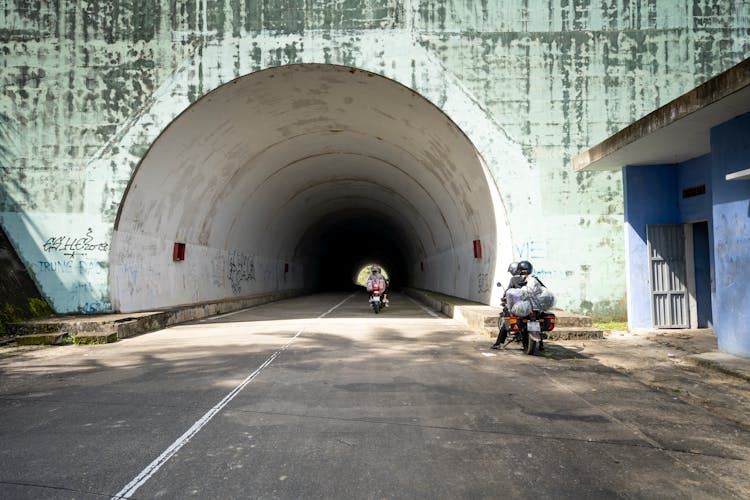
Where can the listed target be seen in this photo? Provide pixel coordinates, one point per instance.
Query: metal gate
(669, 300)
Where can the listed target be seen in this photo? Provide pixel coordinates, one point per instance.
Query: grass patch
(612, 325)
(39, 308)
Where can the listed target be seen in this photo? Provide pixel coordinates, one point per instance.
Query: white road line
(154, 466)
(424, 308)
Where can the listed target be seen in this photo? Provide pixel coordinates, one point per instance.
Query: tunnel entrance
(290, 178)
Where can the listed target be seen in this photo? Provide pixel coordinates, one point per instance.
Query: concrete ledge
(723, 362)
(95, 338)
(104, 328)
(575, 333)
(43, 339)
(483, 318)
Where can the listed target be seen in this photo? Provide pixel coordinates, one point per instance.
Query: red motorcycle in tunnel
(376, 301)
(376, 287)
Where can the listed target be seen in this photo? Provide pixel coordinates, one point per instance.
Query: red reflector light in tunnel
(178, 253)
(477, 249)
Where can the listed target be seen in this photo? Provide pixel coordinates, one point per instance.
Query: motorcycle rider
(376, 278)
(513, 283)
(519, 271)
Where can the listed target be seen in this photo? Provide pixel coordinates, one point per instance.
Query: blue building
(686, 187)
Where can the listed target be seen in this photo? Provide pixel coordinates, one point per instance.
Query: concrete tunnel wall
(292, 177)
(88, 87)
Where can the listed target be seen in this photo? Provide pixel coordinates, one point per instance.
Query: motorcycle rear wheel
(531, 346)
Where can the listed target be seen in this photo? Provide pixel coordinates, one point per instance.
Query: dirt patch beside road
(661, 360)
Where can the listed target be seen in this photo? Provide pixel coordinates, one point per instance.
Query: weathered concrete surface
(685, 364)
(88, 88)
(401, 405)
(724, 362)
(678, 131)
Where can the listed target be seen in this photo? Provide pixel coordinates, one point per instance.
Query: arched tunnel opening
(293, 178)
(347, 241)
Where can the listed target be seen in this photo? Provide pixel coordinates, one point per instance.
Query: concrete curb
(483, 318)
(100, 329)
(723, 362)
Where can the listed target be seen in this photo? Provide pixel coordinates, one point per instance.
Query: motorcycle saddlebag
(547, 321)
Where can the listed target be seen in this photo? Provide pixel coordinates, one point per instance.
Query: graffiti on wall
(483, 283)
(72, 246)
(530, 250)
(241, 270)
(80, 266)
(536, 253)
(72, 251)
(76, 261)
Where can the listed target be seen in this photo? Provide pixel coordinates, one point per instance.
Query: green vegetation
(39, 308)
(9, 313)
(621, 326)
(95, 339)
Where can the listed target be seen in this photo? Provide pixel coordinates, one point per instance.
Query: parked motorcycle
(529, 330)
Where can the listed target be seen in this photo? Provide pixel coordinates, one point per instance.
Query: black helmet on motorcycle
(525, 267)
(513, 268)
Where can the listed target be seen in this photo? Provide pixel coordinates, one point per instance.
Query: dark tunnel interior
(343, 243)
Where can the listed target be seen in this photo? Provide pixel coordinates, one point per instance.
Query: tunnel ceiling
(276, 166)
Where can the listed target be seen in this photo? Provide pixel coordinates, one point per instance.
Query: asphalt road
(317, 397)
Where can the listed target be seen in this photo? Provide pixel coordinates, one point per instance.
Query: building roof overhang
(679, 130)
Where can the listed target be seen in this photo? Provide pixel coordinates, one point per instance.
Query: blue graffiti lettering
(56, 266)
(531, 250)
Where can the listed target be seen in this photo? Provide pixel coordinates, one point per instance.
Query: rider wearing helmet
(519, 271)
(377, 277)
(525, 268)
(513, 268)
(524, 271)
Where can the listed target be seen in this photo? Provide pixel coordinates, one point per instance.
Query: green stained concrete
(88, 86)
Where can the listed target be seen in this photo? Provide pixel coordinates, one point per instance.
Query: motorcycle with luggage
(529, 330)
(523, 318)
(376, 286)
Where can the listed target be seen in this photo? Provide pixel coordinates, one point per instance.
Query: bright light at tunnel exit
(364, 274)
